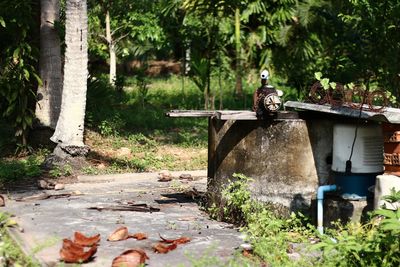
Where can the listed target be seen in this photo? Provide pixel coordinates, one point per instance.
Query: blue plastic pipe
(320, 205)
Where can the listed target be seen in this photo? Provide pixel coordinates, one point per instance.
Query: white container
(368, 148)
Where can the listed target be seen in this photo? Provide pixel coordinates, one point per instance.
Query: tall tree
(220, 9)
(18, 59)
(49, 92)
(70, 126)
(127, 28)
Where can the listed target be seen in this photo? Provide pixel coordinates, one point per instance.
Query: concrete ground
(42, 224)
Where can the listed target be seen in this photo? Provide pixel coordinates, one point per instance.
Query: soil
(103, 154)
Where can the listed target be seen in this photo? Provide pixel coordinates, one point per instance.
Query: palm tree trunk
(111, 48)
(49, 93)
(70, 126)
(239, 85)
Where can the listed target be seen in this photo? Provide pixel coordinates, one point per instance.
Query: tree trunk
(70, 126)
(111, 48)
(49, 93)
(239, 85)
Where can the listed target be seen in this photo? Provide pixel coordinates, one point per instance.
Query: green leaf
(9, 109)
(387, 213)
(318, 75)
(2, 22)
(14, 96)
(332, 85)
(28, 120)
(26, 74)
(325, 83)
(16, 53)
(391, 225)
(350, 86)
(37, 79)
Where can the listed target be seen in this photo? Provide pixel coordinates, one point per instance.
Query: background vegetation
(178, 54)
(201, 54)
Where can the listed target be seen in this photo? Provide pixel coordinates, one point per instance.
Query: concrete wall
(287, 159)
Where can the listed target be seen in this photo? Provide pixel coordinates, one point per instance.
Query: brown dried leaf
(2, 201)
(119, 234)
(247, 253)
(81, 239)
(161, 248)
(178, 241)
(72, 247)
(70, 256)
(130, 258)
(139, 236)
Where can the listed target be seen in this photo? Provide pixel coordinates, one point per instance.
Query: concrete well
(287, 159)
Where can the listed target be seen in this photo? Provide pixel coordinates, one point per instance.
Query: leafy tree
(373, 48)
(342, 39)
(18, 59)
(131, 29)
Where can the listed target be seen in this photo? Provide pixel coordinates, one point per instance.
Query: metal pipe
(320, 205)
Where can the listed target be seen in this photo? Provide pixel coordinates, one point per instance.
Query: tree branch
(114, 31)
(103, 38)
(120, 38)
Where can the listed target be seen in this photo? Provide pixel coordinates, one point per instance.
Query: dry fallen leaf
(130, 258)
(161, 248)
(72, 247)
(139, 236)
(247, 253)
(119, 234)
(2, 201)
(81, 239)
(70, 256)
(178, 241)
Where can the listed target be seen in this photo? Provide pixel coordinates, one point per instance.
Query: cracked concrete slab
(44, 223)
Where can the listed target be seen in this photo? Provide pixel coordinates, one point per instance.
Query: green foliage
(111, 126)
(10, 253)
(269, 235)
(59, 171)
(18, 58)
(208, 259)
(142, 85)
(393, 197)
(135, 28)
(340, 38)
(21, 168)
(141, 143)
(238, 199)
(375, 243)
(324, 81)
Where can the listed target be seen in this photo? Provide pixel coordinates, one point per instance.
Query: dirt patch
(154, 68)
(112, 151)
(183, 154)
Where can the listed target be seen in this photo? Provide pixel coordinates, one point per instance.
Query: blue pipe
(320, 205)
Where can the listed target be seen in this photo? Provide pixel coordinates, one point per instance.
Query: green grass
(127, 113)
(136, 120)
(10, 253)
(14, 169)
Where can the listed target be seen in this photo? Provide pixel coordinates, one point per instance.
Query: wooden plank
(236, 115)
(229, 114)
(219, 114)
(190, 113)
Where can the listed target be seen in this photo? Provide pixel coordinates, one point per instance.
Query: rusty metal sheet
(391, 115)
